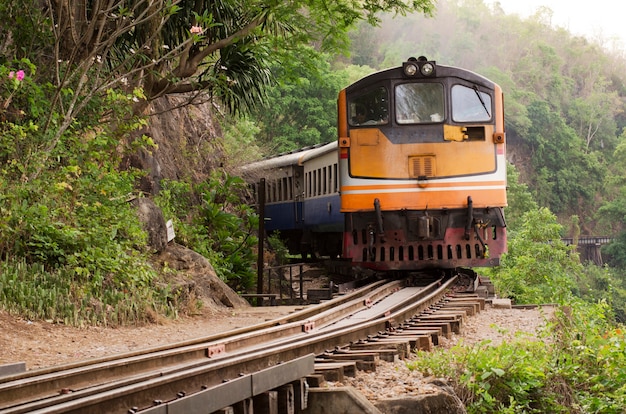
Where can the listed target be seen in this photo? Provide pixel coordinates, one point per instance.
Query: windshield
(419, 103)
(470, 105)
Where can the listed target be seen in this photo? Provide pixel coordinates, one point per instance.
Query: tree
(169, 46)
(149, 48)
(594, 117)
(560, 160)
(612, 213)
(302, 109)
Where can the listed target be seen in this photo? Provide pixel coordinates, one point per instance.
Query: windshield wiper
(480, 98)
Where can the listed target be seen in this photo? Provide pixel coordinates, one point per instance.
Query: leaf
(499, 372)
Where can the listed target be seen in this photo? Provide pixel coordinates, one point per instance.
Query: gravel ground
(497, 325)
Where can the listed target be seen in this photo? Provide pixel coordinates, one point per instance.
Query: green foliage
(589, 356)
(488, 379)
(230, 226)
(560, 160)
(520, 200)
(240, 143)
(539, 267)
(278, 247)
(241, 75)
(25, 31)
(223, 49)
(64, 295)
(578, 366)
(604, 284)
(302, 109)
(74, 250)
(72, 245)
(615, 252)
(612, 214)
(211, 220)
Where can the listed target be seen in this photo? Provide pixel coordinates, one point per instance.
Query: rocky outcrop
(186, 145)
(153, 222)
(194, 277)
(186, 149)
(190, 275)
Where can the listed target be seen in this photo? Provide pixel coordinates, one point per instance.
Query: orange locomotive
(422, 169)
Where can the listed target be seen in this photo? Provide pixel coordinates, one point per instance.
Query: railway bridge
(589, 247)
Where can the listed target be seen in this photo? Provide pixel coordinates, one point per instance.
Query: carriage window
(329, 181)
(268, 191)
(289, 188)
(279, 190)
(308, 185)
(470, 105)
(370, 108)
(418, 103)
(318, 183)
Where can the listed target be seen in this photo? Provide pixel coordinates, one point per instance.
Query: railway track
(220, 370)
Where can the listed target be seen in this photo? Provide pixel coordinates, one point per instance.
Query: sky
(597, 19)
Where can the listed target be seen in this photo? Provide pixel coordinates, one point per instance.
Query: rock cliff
(187, 140)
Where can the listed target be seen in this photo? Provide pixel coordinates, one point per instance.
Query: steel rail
(243, 356)
(49, 382)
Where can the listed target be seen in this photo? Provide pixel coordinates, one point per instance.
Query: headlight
(419, 67)
(427, 69)
(410, 69)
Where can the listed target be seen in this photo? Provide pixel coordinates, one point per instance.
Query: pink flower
(196, 29)
(19, 75)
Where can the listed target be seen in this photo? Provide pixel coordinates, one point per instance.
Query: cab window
(418, 103)
(370, 108)
(470, 105)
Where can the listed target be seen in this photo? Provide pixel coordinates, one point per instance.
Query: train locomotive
(416, 179)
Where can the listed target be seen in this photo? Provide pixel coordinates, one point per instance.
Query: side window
(470, 105)
(318, 183)
(307, 178)
(289, 188)
(418, 103)
(370, 108)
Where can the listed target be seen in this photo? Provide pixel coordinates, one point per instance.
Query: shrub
(211, 220)
(539, 267)
(71, 245)
(579, 367)
(491, 378)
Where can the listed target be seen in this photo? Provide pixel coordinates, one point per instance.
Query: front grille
(423, 252)
(422, 166)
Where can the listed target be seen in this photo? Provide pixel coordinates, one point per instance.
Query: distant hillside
(564, 95)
